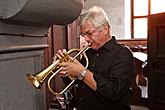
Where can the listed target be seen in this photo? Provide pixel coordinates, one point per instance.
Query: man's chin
(94, 47)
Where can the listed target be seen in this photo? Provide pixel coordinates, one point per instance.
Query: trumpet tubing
(38, 78)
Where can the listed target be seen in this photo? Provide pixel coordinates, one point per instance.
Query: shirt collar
(110, 44)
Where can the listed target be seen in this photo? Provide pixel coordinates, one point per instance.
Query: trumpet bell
(34, 81)
(37, 79)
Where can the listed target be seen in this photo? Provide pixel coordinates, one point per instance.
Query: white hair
(96, 15)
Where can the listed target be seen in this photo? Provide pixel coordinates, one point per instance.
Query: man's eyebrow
(88, 31)
(84, 32)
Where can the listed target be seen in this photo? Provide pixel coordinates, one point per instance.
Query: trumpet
(37, 79)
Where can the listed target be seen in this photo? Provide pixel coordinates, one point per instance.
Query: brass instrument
(38, 78)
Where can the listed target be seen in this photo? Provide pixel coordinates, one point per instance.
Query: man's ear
(106, 29)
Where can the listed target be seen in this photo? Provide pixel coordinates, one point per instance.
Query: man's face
(92, 35)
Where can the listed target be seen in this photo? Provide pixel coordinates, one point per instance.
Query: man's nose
(86, 38)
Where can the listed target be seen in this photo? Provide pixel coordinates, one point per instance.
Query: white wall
(115, 11)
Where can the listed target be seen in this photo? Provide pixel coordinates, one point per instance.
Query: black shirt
(113, 69)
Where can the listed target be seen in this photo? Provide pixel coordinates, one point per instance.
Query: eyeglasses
(89, 34)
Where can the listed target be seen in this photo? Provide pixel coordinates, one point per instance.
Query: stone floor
(134, 107)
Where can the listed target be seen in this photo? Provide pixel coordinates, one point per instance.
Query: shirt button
(97, 55)
(83, 86)
(81, 99)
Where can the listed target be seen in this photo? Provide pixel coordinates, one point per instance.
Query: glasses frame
(89, 34)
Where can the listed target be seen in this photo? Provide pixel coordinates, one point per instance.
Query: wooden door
(59, 37)
(156, 61)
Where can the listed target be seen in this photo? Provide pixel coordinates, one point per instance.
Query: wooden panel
(73, 35)
(160, 38)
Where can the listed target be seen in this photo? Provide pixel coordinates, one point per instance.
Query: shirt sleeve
(120, 74)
